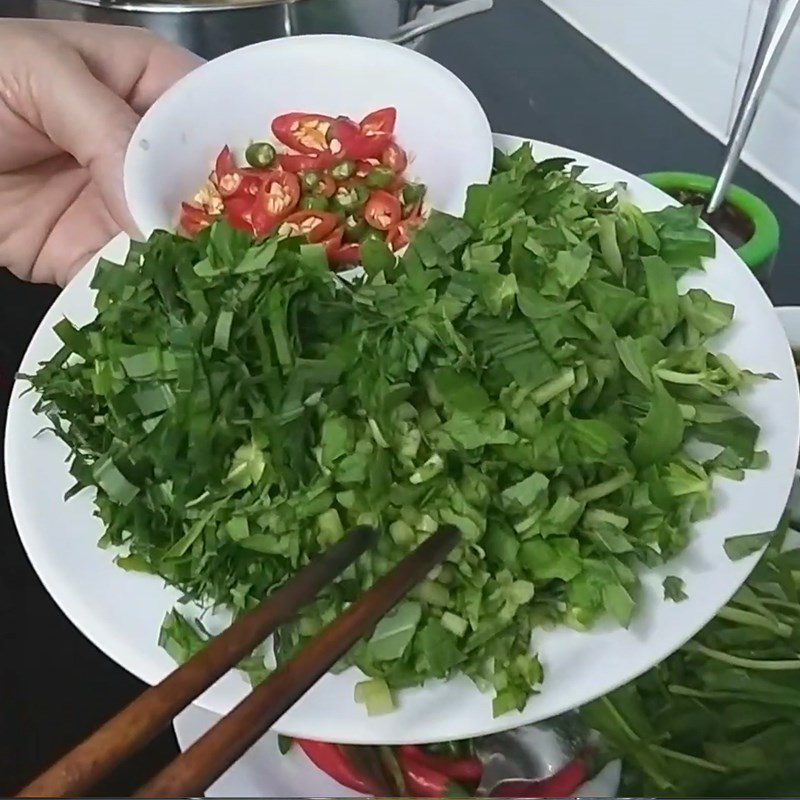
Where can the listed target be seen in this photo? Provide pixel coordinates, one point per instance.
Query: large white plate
(121, 612)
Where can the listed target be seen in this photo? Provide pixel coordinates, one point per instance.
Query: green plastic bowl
(760, 251)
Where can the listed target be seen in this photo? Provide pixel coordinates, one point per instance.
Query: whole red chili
(424, 781)
(332, 761)
(467, 771)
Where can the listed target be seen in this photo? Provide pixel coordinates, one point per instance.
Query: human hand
(70, 97)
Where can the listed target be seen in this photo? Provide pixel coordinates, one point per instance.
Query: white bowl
(233, 99)
(789, 317)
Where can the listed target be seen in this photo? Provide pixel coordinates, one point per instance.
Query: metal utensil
(530, 753)
(213, 27)
(778, 27)
(438, 19)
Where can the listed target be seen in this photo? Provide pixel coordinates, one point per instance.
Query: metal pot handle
(437, 19)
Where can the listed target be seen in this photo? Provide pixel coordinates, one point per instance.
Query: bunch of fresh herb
(721, 717)
(529, 373)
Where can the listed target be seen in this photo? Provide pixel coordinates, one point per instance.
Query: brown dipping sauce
(729, 222)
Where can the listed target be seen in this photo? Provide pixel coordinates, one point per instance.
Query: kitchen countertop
(536, 77)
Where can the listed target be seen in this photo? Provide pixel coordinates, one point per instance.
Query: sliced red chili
(348, 141)
(394, 157)
(333, 243)
(239, 213)
(226, 177)
(400, 234)
(224, 164)
(382, 211)
(316, 226)
(381, 121)
(305, 163)
(250, 183)
(279, 193)
(305, 133)
(277, 198)
(326, 187)
(193, 219)
(345, 254)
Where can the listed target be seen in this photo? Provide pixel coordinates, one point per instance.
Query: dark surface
(536, 77)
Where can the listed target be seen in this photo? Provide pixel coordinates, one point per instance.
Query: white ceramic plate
(234, 99)
(121, 612)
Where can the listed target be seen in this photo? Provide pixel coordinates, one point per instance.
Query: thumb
(84, 118)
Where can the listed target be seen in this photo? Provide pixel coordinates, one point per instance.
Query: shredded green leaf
(530, 374)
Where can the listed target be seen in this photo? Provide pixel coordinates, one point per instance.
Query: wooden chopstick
(198, 767)
(140, 721)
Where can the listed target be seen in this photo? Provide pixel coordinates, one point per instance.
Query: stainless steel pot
(213, 27)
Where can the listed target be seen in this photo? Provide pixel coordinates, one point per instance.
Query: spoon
(778, 28)
(529, 754)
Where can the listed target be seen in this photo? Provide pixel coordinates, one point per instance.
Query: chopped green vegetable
(742, 546)
(529, 374)
(674, 589)
(260, 154)
(375, 695)
(314, 203)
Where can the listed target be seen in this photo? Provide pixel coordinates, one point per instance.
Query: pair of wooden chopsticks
(199, 766)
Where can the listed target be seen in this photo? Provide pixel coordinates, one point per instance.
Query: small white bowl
(789, 317)
(233, 99)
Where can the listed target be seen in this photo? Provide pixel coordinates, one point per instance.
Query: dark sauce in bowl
(729, 222)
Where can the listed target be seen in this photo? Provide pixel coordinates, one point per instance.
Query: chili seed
(309, 181)
(343, 170)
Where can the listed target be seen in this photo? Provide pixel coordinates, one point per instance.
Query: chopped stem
(599, 490)
(554, 388)
(683, 378)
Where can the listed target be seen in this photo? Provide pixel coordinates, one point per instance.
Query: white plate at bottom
(121, 612)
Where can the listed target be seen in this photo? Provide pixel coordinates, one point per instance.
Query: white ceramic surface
(789, 317)
(234, 99)
(121, 612)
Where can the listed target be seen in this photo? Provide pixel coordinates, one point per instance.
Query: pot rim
(765, 241)
(178, 6)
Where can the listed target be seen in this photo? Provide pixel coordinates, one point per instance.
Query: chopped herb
(530, 374)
